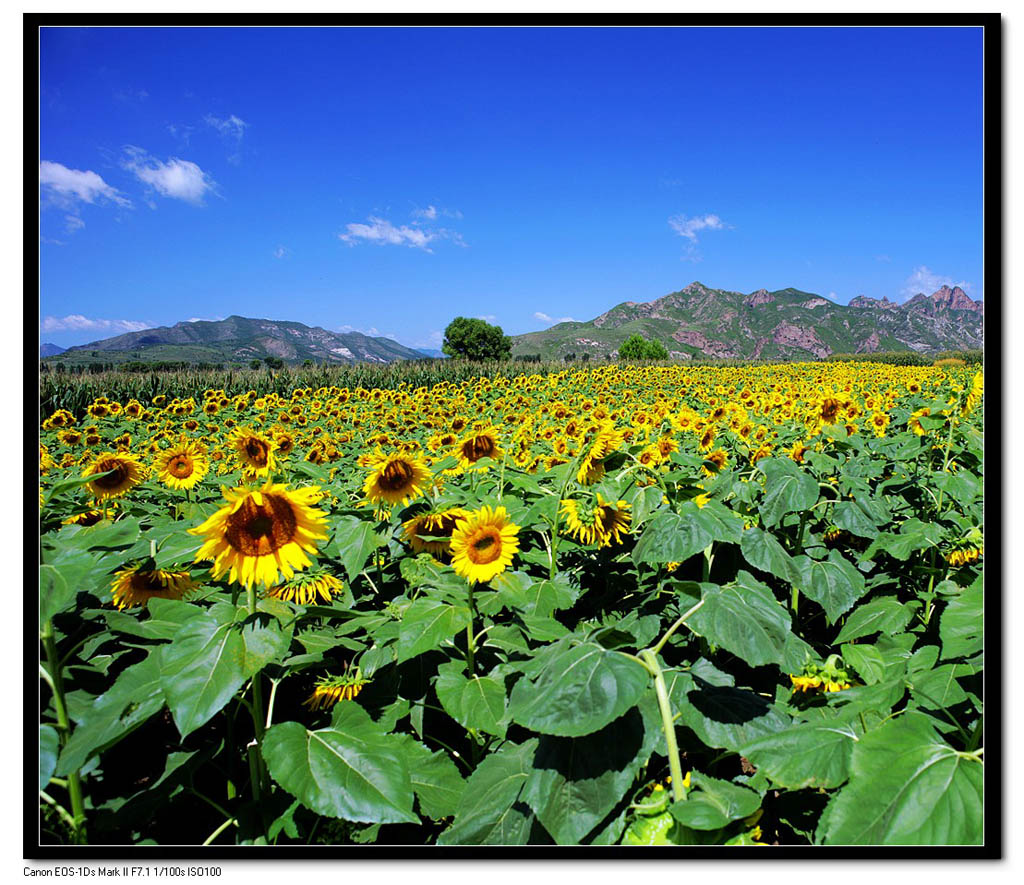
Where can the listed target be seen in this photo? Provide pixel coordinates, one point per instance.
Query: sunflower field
(616, 606)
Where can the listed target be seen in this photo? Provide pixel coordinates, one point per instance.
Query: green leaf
(962, 624)
(350, 770)
(787, 489)
(885, 614)
(670, 537)
(938, 688)
(354, 541)
(907, 787)
(745, 618)
(721, 523)
(813, 754)
(720, 715)
(489, 812)
(435, 779)
(962, 485)
(834, 583)
(861, 517)
(55, 594)
(761, 550)
(913, 535)
(426, 623)
(575, 782)
(49, 746)
(714, 803)
(134, 696)
(579, 690)
(477, 703)
(867, 660)
(211, 656)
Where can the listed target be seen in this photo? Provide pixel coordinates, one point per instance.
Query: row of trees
(475, 339)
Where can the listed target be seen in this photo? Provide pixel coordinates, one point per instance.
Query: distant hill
(50, 350)
(699, 321)
(240, 340)
(432, 353)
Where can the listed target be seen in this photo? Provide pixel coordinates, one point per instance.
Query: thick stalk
(64, 729)
(258, 719)
(470, 642)
(667, 723)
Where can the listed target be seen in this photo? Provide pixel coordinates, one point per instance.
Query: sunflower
(253, 451)
(182, 466)
(135, 585)
(396, 479)
(331, 689)
(483, 544)
(308, 587)
(435, 525)
(605, 440)
(261, 533)
(481, 443)
(88, 518)
(598, 523)
(718, 459)
(124, 472)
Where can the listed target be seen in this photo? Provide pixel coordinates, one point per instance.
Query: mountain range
(699, 321)
(240, 340)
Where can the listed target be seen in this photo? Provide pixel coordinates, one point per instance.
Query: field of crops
(612, 605)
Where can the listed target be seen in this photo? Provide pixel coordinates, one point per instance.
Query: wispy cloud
(487, 317)
(432, 213)
(543, 317)
(176, 178)
(77, 323)
(73, 223)
(68, 188)
(182, 134)
(204, 319)
(281, 252)
(688, 227)
(384, 233)
(372, 331)
(231, 127)
(927, 281)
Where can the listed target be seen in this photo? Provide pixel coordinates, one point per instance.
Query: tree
(274, 362)
(636, 347)
(255, 364)
(473, 339)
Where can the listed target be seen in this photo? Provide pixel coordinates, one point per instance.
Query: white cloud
(69, 187)
(178, 179)
(73, 223)
(280, 252)
(204, 319)
(927, 281)
(384, 233)
(430, 212)
(77, 323)
(181, 133)
(543, 317)
(372, 331)
(232, 127)
(688, 227)
(487, 318)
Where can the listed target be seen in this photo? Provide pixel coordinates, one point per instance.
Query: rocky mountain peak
(761, 296)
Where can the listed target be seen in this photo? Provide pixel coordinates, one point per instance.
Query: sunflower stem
(255, 755)
(470, 643)
(668, 725)
(56, 682)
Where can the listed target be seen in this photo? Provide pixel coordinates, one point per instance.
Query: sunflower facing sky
(396, 479)
(182, 466)
(262, 533)
(483, 544)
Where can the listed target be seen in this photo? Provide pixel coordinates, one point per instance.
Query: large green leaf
(477, 702)
(211, 656)
(55, 594)
(351, 769)
(761, 550)
(962, 622)
(489, 812)
(536, 598)
(867, 660)
(426, 623)
(913, 535)
(907, 787)
(745, 618)
(812, 754)
(49, 746)
(885, 614)
(575, 782)
(670, 537)
(134, 696)
(354, 541)
(787, 489)
(435, 779)
(860, 517)
(580, 689)
(717, 520)
(714, 803)
(834, 583)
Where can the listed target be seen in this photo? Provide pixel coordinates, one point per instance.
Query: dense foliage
(475, 339)
(608, 605)
(636, 347)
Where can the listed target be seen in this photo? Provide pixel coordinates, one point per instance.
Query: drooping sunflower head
(262, 533)
(254, 452)
(308, 587)
(182, 466)
(482, 443)
(123, 471)
(397, 479)
(331, 689)
(136, 586)
(85, 519)
(717, 459)
(483, 544)
(431, 532)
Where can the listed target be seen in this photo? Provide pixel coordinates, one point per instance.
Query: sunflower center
(115, 479)
(485, 547)
(148, 582)
(180, 467)
(396, 476)
(258, 529)
(257, 451)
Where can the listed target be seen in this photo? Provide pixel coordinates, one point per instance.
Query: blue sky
(388, 180)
